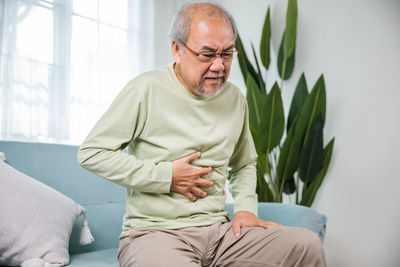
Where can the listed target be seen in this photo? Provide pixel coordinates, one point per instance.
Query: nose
(217, 64)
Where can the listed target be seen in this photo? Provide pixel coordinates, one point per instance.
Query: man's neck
(177, 74)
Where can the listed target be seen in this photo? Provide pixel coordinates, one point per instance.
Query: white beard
(202, 92)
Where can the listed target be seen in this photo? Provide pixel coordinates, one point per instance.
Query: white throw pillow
(35, 220)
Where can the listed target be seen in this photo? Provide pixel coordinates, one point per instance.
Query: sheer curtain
(63, 61)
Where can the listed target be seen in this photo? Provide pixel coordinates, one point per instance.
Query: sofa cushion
(100, 216)
(100, 258)
(103, 200)
(35, 220)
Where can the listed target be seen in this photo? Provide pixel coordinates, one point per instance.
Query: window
(62, 63)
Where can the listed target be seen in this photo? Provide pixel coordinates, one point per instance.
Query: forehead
(212, 32)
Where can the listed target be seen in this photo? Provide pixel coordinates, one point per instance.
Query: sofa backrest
(56, 166)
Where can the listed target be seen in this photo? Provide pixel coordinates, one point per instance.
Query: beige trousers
(215, 245)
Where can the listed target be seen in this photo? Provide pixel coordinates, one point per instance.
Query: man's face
(206, 35)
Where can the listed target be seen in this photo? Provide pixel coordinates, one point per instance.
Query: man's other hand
(248, 219)
(187, 180)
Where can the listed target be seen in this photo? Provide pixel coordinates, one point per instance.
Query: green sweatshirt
(160, 121)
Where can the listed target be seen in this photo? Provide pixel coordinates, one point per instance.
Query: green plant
(296, 160)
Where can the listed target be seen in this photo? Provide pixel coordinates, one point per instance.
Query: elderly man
(184, 126)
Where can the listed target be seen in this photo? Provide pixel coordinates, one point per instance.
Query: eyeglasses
(208, 56)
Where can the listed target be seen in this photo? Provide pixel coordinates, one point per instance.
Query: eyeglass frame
(236, 50)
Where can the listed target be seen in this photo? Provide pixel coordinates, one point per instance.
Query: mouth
(219, 78)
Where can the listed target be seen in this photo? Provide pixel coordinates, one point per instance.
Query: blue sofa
(56, 166)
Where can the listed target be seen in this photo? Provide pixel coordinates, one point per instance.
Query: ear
(176, 52)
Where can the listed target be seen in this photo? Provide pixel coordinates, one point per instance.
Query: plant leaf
(312, 152)
(289, 62)
(315, 104)
(254, 133)
(259, 75)
(241, 57)
(290, 29)
(255, 101)
(244, 63)
(263, 191)
(265, 41)
(261, 162)
(289, 186)
(299, 98)
(272, 122)
(309, 196)
(289, 155)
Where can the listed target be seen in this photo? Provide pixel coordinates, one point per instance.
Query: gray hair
(181, 22)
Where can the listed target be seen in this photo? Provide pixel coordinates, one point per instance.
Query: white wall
(356, 45)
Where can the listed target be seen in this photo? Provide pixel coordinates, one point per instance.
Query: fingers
(274, 223)
(187, 180)
(247, 219)
(190, 196)
(204, 171)
(266, 224)
(236, 227)
(189, 158)
(191, 190)
(204, 183)
(198, 192)
(192, 156)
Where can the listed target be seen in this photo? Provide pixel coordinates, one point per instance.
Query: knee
(309, 238)
(308, 244)
(306, 239)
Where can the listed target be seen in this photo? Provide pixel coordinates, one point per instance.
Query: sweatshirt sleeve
(101, 152)
(243, 179)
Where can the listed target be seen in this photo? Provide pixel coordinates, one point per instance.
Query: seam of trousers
(204, 261)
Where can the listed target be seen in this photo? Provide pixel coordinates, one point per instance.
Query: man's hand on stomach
(187, 180)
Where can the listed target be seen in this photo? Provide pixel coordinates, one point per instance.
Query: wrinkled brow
(204, 47)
